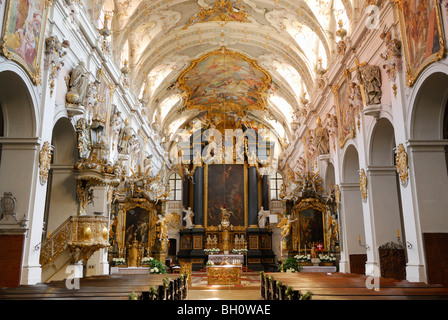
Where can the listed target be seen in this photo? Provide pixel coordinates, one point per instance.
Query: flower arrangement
(327, 258)
(290, 265)
(212, 250)
(146, 260)
(133, 296)
(119, 261)
(239, 251)
(303, 257)
(210, 263)
(155, 266)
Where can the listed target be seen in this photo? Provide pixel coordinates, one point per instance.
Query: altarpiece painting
(136, 221)
(226, 185)
(311, 225)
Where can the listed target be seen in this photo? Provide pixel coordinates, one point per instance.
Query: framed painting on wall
(422, 35)
(345, 112)
(23, 37)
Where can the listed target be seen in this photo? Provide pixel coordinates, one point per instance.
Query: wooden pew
(295, 286)
(116, 287)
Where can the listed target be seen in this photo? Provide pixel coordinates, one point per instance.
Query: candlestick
(398, 233)
(359, 238)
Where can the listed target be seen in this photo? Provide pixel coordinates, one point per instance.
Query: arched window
(176, 187)
(275, 184)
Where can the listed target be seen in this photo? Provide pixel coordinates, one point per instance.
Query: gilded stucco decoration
(55, 53)
(44, 162)
(337, 194)
(401, 160)
(363, 184)
(221, 11)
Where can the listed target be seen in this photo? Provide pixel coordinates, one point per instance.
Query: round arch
(20, 148)
(382, 144)
(17, 106)
(61, 200)
(350, 165)
(428, 169)
(353, 256)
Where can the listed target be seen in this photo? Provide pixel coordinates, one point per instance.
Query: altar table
(229, 258)
(326, 269)
(225, 274)
(129, 270)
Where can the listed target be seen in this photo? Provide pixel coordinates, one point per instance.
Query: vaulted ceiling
(160, 39)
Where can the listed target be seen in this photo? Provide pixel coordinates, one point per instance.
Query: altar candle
(398, 233)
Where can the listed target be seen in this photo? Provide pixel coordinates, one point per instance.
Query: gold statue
(133, 254)
(286, 225)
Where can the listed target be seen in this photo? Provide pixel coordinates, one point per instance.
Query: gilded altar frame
(414, 61)
(246, 205)
(123, 208)
(299, 208)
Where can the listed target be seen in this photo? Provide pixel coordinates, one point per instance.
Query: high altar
(226, 197)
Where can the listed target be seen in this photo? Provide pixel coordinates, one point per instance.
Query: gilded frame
(13, 43)
(412, 72)
(228, 106)
(341, 92)
(317, 206)
(123, 208)
(246, 204)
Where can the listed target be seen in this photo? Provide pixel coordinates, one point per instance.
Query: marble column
(265, 192)
(198, 200)
(185, 196)
(252, 197)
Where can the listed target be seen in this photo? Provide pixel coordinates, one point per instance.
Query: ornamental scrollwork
(363, 184)
(401, 160)
(44, 162)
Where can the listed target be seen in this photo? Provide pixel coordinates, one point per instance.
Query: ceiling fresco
(279, 48)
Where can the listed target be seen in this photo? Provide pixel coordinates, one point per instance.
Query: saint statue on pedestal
(189, 218)
(262, 216)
